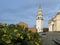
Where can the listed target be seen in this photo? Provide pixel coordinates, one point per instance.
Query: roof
(32, 29)
(54, 16)
(23, 24)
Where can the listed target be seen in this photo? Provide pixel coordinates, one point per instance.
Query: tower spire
(39, 5)
(40, 11)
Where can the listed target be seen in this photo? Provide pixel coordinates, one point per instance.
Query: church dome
(23, 24)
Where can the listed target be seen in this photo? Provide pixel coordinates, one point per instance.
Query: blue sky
(15, 11)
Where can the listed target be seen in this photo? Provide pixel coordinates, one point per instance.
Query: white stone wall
(56, 20)
(58, 25)
(39, 25)
(50, 26)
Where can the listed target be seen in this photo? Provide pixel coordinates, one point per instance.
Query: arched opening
(52, 27)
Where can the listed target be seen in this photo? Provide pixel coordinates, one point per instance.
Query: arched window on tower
(38, 17)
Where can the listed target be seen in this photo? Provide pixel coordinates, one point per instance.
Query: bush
(18, 35)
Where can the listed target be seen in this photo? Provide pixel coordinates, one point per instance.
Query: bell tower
(39, 20)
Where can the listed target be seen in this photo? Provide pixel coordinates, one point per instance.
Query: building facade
(54, 23)
(39, 20)
(26, 26)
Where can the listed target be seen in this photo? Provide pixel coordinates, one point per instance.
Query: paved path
(47, 39)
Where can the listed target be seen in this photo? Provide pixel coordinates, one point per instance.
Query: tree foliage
(18, 35)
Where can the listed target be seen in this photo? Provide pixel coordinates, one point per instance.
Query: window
(38, 17)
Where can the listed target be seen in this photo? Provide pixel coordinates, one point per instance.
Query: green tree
(18, 35)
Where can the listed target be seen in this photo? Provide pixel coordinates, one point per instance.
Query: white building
(39, 19)
(54, 23)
